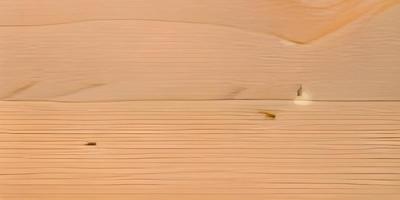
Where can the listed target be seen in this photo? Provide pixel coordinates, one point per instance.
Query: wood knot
(91, 144)
(268, 115)
(300, 91)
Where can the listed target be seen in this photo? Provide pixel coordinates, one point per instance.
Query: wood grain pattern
(303, 20)
(200, 149)
(129, 50)
(199, 99)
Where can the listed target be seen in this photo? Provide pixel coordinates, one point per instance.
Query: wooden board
(199, 99)
(200, 150)
(94, 50)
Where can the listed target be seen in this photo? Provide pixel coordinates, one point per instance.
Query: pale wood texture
(200, 150)
(200, 99)
(95, 50)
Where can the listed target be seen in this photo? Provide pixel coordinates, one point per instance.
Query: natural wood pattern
(200, 150)
(304, 20)
(199, 99)
(94, 50)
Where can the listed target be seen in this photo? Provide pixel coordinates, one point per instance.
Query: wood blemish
(91, 144)
(300, 91)
(268, 115)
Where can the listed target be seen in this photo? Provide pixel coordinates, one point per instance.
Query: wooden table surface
(200, 99)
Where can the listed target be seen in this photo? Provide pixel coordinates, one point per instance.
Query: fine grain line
(201, 100)
(19, 90)
(91, 86)
(154, 20)
(235, 92)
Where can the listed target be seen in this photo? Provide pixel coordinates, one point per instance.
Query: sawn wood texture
(200, 150)
(94, 50)
(199, 99)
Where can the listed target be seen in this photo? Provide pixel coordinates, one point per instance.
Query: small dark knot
(91, 144)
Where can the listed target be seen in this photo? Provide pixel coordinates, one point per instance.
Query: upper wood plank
(299, 21)
(93, 50)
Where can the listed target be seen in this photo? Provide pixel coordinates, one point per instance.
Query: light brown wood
(199, 99)
(299, 21)
(95, 50)
(200, 149)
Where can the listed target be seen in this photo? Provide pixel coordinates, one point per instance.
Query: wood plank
(200, 150)
(304, 20)
(93, 50)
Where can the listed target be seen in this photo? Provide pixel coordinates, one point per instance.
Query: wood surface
(181, 149)
(200, 99)
(93, 50)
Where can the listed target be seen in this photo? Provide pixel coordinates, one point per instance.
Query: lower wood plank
(200, 150)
